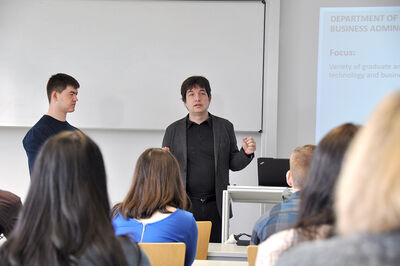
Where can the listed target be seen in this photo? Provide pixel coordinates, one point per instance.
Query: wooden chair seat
(162, 254)
(203, 238)
(251, 254)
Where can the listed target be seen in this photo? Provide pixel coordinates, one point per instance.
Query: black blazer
(226, 154)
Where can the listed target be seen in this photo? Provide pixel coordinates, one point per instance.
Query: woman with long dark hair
(316, 216)
(367, 199)
(65, 219)
(154, 208)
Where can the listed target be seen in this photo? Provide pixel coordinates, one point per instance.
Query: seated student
(283, 215)
(153, 210)
(65, 219)
(367, 199)
(10, 204)
(315, 217)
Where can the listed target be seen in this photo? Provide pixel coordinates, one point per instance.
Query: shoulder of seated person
(282, 236)
(157, 216)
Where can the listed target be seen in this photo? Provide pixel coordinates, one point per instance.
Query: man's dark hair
(10, 205)
(192, 82)
(59, 82)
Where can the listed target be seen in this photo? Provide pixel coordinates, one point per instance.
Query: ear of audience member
(284, 215)
(316, 217)
(10, 205)
(154, 208)
(367, 199)
(65, 219)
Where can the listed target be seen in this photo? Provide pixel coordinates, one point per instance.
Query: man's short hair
(300, 161)
(192, 82)
(59, 82)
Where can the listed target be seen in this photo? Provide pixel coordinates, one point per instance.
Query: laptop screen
(272, 172)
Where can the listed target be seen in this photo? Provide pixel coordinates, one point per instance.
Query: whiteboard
(130, 58)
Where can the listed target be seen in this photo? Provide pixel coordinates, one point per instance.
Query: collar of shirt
(295, 195)
(191, 123)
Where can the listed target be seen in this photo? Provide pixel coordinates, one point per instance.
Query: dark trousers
(206, 210)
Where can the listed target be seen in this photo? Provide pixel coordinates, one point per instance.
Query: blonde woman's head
(368, 192)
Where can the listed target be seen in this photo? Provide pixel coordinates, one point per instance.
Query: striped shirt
(281, 217)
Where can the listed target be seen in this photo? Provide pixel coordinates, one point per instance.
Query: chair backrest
(204, 232)
(161, 254)
(251, 254)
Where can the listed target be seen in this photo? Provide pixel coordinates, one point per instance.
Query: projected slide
(358, 63)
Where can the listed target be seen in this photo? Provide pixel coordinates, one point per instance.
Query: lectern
(251, 194)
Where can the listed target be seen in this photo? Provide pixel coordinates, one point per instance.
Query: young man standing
(206, 148)
(62, 92)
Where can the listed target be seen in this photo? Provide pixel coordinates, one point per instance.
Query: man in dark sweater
(62, 91)
(206, 148)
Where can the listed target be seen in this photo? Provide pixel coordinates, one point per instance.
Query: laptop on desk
(272, 172)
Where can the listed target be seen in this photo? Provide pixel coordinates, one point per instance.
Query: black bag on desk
(242, 242)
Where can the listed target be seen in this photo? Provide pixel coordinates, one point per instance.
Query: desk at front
(252, 194)
(219, 263)
(227, 252)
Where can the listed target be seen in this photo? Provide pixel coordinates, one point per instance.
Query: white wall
(298, 55)
(124, 52)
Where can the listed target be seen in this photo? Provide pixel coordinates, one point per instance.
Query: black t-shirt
(200, 159)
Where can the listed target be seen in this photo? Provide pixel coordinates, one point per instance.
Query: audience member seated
(65, 219)
(316, 215)
(367, 199)
(10, 204)
(154, 209)
(283, 216)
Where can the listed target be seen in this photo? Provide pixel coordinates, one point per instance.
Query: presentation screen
(358, 63)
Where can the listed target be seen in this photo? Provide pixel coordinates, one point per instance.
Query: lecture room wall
(120, 149)
(298, 55)
(295, 117)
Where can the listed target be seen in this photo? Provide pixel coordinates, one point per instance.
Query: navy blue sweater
(46, 127)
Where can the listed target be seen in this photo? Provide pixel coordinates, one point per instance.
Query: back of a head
(70, 172)
(368, 192)
(10, 205)
(157, 183)
(300, 160)
(66, 212)
(316, 205)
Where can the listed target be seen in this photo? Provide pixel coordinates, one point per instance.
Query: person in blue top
(62, 92)
(154, 208)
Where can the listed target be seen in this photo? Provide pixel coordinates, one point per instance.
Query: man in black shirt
(62, 92)
(206, 148)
